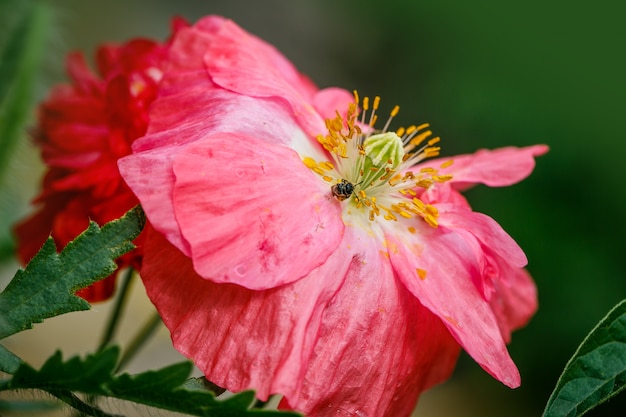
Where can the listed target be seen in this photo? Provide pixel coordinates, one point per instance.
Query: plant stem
(140, 339)
(120, 303)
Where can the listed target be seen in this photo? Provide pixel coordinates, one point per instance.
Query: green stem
(118, 308)
(112, 325)
(19, 67)
(148, 329)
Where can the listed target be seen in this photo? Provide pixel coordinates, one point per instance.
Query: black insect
(342, 190)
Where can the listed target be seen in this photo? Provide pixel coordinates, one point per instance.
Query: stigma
(371, 169)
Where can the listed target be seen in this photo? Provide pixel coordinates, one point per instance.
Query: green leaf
(19, 64)
(195, 402)
(89, 375)
(166, 388)
(60, 378)
(9, 361)
(596, 372)
(45, 288)
(169, 389)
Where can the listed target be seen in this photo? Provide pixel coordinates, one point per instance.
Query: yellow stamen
(358, 159)
(433, 141)
(442, 178)
(431, 152)
(418, 139)
(447, 164)
(327, 165)
(424, 183)
(309, 162)
(431, 221)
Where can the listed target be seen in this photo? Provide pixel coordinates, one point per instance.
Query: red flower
(324, 260)
(84, 128)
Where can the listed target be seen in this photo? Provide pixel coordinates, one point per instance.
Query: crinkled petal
(488, 232)
(190, 103)
(440, 268)
(508, 288)
(515, 301)
(189, 108)
(186, 116)
(239, 338)
(378, 347)
(331, 100)
(346, 338)
(243, 63)
(252, 213)
(495, 168)
(149, 175)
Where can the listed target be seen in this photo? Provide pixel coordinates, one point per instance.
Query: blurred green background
(485, 74)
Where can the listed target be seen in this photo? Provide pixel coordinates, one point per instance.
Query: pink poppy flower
(83, 129)
(296, 248)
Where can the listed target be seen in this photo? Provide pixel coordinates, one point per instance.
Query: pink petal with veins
(346, 338)
(253, 214)
(439, 268)
(497, 168)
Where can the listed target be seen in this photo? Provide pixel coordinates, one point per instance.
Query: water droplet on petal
(241, 270)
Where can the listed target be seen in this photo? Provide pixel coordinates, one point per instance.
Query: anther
(447, 164)
(421, 273)
(376, 103)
